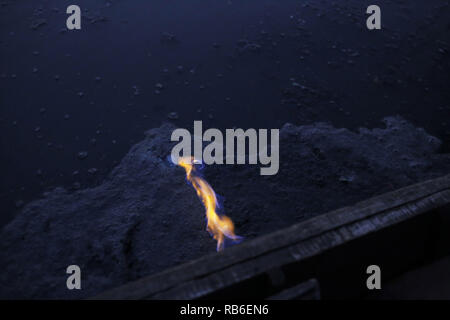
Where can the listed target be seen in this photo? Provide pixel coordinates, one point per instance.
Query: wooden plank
(298, 242)
(308, 290)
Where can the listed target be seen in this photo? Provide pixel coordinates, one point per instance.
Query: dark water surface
(232, 63)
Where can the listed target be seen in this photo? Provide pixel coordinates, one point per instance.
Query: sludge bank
(144, 218)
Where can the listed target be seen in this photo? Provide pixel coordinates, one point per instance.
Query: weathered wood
(308, 290)
(293, 245)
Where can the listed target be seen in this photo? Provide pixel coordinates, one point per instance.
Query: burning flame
(219, 226)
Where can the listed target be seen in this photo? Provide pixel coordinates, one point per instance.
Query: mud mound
(144, 217)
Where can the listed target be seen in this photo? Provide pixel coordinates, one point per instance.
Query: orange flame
(219, 226)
